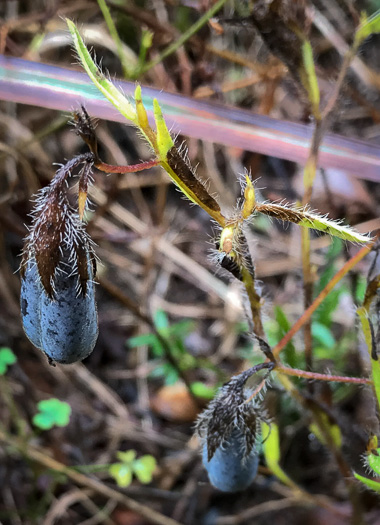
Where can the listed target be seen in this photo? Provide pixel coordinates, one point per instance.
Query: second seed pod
(229, 470)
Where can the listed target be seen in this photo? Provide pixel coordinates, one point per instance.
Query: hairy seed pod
(31, 293)
(57, 272)
(69, 324)
(229, 469)
(65, 328)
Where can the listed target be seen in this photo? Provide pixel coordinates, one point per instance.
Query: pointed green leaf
(323, 335)
(161, 321)
(271, 447)
(333, 228)
(101, 82)
(164, 140)
(141, 340)
(368, 26)
(308, 219)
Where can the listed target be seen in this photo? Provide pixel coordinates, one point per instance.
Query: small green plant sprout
(52, 412)
(143, 468)
(173, 335)
(372, 462)
(7, 358)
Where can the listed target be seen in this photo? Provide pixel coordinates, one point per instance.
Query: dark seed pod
(57, 278)
(69, 324)
(229, 469)
(65, 328)
(229, 431)
(31, 293)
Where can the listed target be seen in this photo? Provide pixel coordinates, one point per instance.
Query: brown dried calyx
(57, 240)
(232, 409)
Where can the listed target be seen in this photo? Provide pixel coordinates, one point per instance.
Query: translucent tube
(60, 88)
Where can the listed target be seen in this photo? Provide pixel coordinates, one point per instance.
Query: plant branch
(351, 263)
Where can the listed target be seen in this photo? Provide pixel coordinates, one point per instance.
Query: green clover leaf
(126, 457)
(122, 473)
(52, 412)
(7, 358)
(143, 468)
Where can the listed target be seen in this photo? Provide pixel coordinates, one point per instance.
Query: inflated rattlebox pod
(229, 432)
(229, 469)
(64, 327)
(30, 301)
(58, 268)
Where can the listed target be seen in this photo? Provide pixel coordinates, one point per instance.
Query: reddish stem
(322, 377)
(133, 168)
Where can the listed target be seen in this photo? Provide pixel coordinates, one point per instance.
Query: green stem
(115, 36)
(172, 48)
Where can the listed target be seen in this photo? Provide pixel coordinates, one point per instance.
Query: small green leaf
(271, 446)
(161, 321)
(304, 217)
(141, 340)
(334, 228)
(290, 355)
(201, 390)
(370, 483)
(164, 140)
(171, 375)
(323, 335)
(122, 473)
(105, 86)
(7, 357)
(52, 412)
(182, 328)
(126, 457)
(368, 26)
(144, 467)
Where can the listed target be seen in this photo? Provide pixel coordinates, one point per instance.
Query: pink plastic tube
(63, 89)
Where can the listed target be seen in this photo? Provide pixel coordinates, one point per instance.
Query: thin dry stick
(36, 454)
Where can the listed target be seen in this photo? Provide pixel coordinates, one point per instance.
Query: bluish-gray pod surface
(69, 324)
(228, 470)
(66, 328)
(30, 301)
